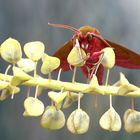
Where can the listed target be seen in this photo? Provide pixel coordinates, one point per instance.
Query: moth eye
(89, 37)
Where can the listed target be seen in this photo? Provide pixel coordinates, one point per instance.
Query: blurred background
(26, 20)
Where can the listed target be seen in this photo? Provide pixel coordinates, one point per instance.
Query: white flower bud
(108, 60)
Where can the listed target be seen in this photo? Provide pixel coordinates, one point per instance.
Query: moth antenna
(65, 26)
(102, 39)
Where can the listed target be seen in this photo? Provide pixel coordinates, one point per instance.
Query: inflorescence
(63, 94)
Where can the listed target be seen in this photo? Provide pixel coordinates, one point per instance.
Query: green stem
(106, 83)
(49, 76)
(107, 77)
(28, 92)
(110, 101)
(7, 69)
(36, 91)
(12, 96)
(74, 74)
(59, 74)
(132, 103)
(74, 87)
(79, 100)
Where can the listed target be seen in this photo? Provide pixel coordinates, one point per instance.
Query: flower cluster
(63, 94)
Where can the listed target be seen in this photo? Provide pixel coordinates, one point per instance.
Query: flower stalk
(74, 87)
(62, 94)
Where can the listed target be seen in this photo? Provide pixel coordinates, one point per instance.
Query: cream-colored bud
(131, 121)
(34, 50)
(49, 64)
(77, 56)
(57, 97)
(9, 90)
(108, 60)
(94, 81)
(78, 122)
(11, 50)
(33, 106)
(26, 64)
(110, 120)
(52, 118)
(19, 76)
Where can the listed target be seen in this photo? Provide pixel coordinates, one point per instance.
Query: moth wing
(62, 54)
(125, 57)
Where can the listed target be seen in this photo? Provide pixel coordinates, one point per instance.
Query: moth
(92, 43)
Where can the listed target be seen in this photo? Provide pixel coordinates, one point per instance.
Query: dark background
(26, 20)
